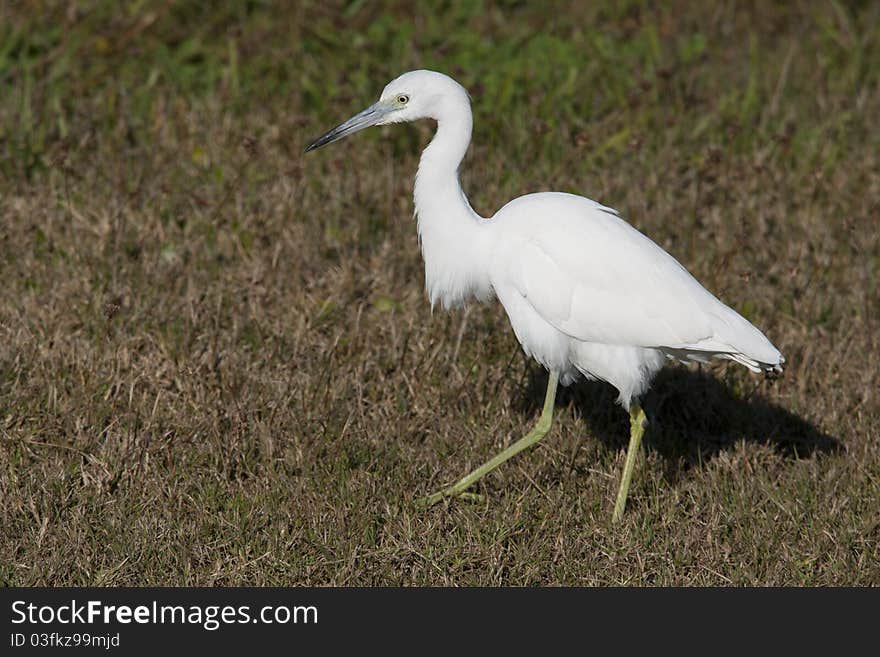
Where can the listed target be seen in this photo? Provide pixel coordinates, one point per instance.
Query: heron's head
(413, 96)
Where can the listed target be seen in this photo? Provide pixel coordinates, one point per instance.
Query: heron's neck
(453, 236)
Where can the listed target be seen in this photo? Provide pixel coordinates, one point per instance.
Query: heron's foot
(451, 491)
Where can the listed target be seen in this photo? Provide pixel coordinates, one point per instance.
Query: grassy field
(217, 362)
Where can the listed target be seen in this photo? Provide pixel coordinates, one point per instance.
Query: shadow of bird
(693, 416)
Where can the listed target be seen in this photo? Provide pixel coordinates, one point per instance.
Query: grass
(218, 365)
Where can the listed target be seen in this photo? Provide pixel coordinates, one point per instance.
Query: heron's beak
(373, 115)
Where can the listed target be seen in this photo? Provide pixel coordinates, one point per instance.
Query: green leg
(637, 424)
(531, 438)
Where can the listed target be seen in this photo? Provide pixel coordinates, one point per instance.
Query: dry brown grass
(218, 366)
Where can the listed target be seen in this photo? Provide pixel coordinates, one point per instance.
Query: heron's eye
(403, 99)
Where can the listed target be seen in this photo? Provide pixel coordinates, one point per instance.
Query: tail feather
(770, 361)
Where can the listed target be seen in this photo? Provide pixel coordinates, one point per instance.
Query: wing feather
(597, 279)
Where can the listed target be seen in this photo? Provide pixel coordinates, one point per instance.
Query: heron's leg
(541, 429)
(637, 424)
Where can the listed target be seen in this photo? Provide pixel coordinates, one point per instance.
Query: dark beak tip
(318, 143)
(314, 145)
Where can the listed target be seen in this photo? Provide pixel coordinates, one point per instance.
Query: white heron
(586, 293)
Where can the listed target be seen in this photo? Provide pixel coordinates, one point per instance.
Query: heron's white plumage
(618, 302)
(585, 292)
